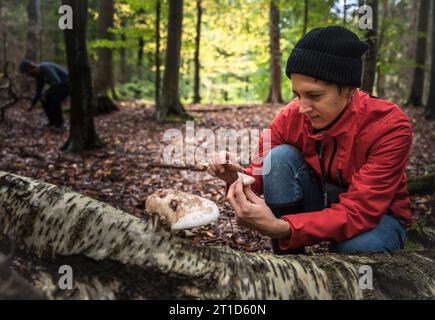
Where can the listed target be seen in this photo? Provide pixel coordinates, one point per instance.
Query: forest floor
(127, 170)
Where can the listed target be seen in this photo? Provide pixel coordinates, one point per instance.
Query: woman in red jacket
(336, 161)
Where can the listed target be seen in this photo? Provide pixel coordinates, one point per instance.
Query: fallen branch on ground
(422, 184)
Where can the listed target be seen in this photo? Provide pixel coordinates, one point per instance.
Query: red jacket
(373, 141)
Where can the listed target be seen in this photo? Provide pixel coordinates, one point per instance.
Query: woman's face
(319, 101)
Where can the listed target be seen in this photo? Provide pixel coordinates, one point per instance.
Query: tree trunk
(140, 16)
(371, 54)
(430, 106)
(33, 44)
(170, 100)
(157, 55)
(380, 79)
(33, 29)
(3, 37)
(104, 76)
(417, 85)
(139, 63)
(305, 26)
(380, 84)
(104, 81)
(115, 255)
(124, 73)
(274, 95)
(422, 184)
(196, 95)
(82, 131)
(409, 44)
(344, 12)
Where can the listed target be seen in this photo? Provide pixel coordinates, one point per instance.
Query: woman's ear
(350, 92)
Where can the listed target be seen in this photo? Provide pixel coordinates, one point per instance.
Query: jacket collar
(345, 124)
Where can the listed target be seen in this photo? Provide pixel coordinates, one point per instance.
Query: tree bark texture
(82, 132)
(275, 55)
(116, 255)
(33, 30)
(124, 72)
(170, 98)
(104, 80)
(196, 88)
(370, 56)
(430, 106)
(157, 55)
(417, 85)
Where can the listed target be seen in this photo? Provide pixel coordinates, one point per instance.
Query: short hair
(340, 87)
(25, 65)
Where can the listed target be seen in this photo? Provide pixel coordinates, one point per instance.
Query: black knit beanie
(331, 53)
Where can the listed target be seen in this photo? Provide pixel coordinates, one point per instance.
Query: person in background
(57, 78)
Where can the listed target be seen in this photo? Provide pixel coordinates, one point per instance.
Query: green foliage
(414, 236)
(134, 89)
(234, 51)
(412, 246)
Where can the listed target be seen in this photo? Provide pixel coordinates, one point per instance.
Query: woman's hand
(253, 212)
(224, 167)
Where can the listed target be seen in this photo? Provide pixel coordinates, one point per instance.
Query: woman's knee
(283, 155)
(357, 245)
(388, 236)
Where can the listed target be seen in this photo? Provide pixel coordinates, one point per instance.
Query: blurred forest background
(225, 52)
(219, 62)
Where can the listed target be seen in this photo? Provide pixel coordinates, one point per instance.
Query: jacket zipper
(322, 178)
(332, 158)
(322, 169)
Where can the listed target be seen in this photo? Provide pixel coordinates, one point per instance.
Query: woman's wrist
(282, 230)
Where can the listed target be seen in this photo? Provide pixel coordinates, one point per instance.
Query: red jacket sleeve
(369, 195)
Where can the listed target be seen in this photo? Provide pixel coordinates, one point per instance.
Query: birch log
(115, 255)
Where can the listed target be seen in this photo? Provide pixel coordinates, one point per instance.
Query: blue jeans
(291, 179)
